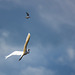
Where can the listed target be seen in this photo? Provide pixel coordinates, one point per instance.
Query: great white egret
(27, 17)
(22, 53)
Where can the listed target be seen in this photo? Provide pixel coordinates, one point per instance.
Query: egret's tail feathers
(7, 56)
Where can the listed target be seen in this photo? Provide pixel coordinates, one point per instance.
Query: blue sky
(52, 42)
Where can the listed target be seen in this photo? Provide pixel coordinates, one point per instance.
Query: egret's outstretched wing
(14, 53)
(27, 40)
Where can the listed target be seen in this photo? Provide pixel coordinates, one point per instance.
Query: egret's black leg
(20, 57)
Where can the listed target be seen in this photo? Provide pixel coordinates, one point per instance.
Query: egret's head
(28, 50)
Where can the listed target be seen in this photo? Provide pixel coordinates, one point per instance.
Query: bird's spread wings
(27, 13)
(14, 53)
(27, 40)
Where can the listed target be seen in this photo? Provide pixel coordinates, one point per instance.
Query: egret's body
(22, 53)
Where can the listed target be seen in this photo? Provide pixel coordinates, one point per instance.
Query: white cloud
(5, 34)
(37, 71)
(5, 48)
(68, 56)
(71, 53)
(60, 59)
(58, 13)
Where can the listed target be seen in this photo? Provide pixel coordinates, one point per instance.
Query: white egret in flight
(22, 53)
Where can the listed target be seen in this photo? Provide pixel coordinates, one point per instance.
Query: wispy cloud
(71, 53)
(4, 34)
(4, 46)
(50, 50)
(37, 71)
(57, 14)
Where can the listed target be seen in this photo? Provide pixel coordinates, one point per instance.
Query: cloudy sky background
(52, 42)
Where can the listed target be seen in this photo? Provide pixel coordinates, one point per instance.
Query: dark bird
(27, 17)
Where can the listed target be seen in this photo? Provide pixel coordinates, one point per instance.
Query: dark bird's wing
(27, 13)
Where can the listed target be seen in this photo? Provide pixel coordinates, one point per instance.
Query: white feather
(14, 53)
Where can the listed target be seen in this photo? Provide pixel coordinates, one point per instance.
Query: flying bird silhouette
(27, 17)
(22, 53)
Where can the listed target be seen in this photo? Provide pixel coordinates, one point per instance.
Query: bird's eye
(28, 49)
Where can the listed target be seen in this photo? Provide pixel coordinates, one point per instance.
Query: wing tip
(28, 33)
(6, 57)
